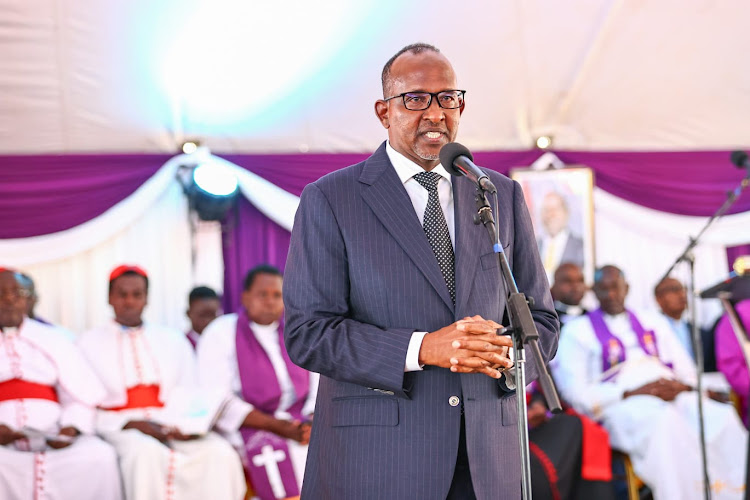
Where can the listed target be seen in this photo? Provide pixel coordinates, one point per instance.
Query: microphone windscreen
(450, 152)
(739, 158)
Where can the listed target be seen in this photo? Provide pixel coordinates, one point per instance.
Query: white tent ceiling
(291, 76)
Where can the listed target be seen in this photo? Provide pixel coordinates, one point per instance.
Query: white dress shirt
(406, 170)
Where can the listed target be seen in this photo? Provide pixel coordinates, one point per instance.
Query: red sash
(21, 389)
(596, 454)
(141, 396)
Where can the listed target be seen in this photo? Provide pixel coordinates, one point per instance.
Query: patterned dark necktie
(437, 230)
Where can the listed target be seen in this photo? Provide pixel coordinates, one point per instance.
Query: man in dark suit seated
(567, 291)
(570, 453)
(394, 295)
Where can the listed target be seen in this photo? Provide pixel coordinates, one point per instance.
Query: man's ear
(461, 109)
(381, 110)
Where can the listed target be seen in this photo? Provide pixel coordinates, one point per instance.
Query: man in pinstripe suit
(409, 408)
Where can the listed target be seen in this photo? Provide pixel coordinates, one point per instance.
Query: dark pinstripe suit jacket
(360, 278)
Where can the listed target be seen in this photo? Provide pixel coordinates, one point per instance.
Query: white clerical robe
(660, 437)
(219, 373)
(150, 355)
(43, 354)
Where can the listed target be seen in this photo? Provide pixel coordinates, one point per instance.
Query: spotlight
(543, 142)
(742, 265)
(212, 191)
(190, 147)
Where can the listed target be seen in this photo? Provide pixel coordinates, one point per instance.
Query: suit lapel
(470, 239)
(390, 203)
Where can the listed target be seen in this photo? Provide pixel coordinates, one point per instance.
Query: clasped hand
(665, 389)
(295, 430)
(157, 431)
(470, 345)
(67, 436)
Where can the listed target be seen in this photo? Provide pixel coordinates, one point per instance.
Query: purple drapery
(42, 194)
(684, 183)
(736, 251)
(48, 193)
(249, 239)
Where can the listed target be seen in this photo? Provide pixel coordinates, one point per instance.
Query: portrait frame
(550, 192)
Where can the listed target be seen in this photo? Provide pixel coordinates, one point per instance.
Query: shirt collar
(128, 330)
(273, 327)
(568, 309)
(562, 235)
(407, 169)
(10, 332)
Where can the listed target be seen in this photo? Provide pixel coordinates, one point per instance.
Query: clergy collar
(569, 309)
(271, 327)
(623, 314)
(129, 329)
(10, 332)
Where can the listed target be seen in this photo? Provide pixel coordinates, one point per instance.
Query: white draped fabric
(151, 228)
(72, 288)
(645, 242)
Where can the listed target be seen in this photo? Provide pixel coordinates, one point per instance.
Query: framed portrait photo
(561, 205)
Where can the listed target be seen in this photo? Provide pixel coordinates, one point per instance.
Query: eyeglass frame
(432, 95)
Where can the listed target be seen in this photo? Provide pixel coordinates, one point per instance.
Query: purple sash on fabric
(268, 461)
(613, 352)
(190, 339)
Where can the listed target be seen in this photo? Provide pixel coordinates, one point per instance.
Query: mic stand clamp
(523, 330)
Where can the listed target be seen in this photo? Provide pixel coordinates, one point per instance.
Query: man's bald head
(569, 286)
(414, 48)
(611, 289)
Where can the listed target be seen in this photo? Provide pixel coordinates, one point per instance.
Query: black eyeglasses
(419, 101)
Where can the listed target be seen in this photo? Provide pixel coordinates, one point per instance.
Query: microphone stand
(523, 330)
(688, 256)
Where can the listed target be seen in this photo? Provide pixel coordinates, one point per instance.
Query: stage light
(543, 142)
(213, 190)
(741, 265)
(215, 179)
(190, 147)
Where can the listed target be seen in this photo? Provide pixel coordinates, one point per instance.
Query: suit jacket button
(453, 401)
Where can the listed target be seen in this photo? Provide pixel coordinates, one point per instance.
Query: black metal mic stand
(688, 256)
(523, 330)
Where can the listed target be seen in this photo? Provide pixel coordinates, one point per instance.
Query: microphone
(458, 160)
(739, 158)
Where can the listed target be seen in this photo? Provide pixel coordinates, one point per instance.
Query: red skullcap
(120, 270)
